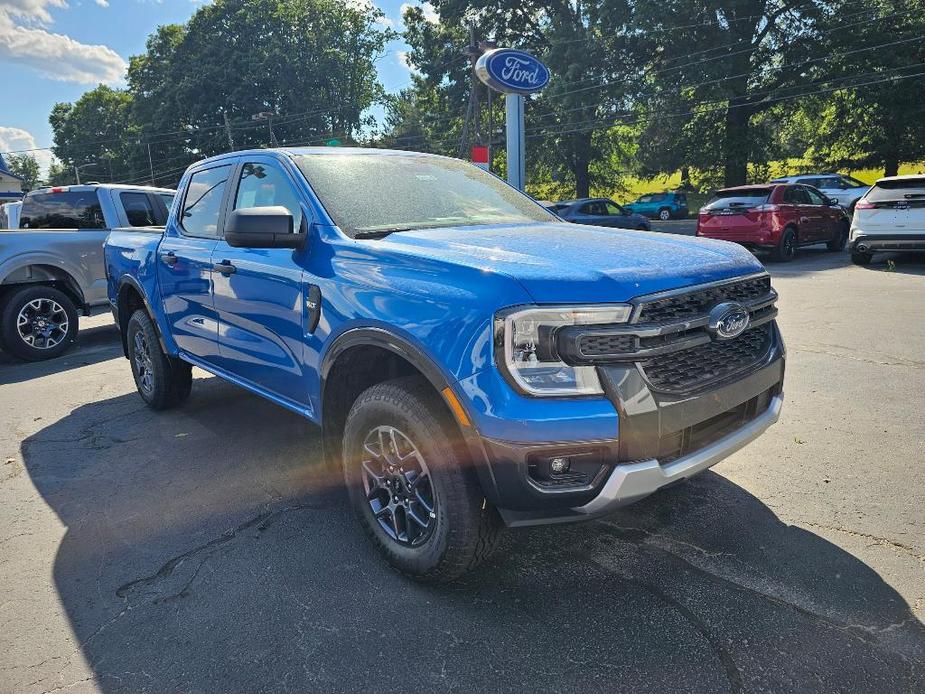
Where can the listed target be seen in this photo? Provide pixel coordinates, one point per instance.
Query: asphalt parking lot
(208, 548)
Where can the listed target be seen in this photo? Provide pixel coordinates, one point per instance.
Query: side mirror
(262, 227)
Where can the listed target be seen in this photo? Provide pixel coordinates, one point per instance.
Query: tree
(99, 134)
(26, 167)
(758, 53)
(880, 122)
(310, 63)
(585, 45)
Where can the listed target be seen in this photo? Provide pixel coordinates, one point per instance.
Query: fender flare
(23, 260)
(403, 347)
(129, 281)
(386, 339)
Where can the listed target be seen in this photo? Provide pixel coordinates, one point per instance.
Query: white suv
(844, 190)
(890, 217)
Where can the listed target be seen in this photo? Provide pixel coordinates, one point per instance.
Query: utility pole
(150, 164)
(472, 108)
(268, 117)
(228, 131)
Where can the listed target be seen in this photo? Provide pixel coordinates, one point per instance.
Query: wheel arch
(129, 298)
(363, 357)
(38, 273)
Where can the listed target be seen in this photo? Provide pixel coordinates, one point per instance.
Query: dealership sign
(511, 71)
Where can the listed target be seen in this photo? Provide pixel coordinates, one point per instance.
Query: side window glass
(263, 185)
(645, 198)
(138, 209)
(203, 202)
(815, 198)
(790, 196)
(612, 208)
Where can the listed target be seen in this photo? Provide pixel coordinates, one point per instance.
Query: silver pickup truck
(52, 267)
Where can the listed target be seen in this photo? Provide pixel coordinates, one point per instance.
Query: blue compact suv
(662, 206)
(473, 361)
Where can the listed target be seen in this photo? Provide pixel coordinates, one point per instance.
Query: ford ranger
(53, 267)
(473, 361)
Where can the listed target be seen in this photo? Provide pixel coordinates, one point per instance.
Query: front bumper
(642, 439)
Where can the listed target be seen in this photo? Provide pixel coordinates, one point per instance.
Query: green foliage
(26, 167)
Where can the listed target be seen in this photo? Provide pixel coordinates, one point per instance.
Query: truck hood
(566, 263)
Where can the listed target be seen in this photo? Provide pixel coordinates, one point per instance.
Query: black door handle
(225, 268)
(169, 258)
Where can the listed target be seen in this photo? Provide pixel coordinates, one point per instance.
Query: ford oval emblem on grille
(728, 320)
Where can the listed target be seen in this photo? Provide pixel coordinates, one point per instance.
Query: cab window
(203, 202)
(138, 210)
(264, 185)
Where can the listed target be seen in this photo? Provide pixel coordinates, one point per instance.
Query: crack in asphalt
(883, 541)
(261, 522)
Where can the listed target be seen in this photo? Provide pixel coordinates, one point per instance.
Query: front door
(260, 293)
(184, 264)
(821, 214)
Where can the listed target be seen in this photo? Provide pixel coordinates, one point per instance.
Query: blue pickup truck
(474, 362)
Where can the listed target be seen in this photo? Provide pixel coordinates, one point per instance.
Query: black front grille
(699, 302)
(690, 369)
(603, 345)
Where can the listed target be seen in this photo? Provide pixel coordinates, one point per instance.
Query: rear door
(184, 263)
(259, 292)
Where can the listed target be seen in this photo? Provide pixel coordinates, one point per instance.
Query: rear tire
(664, 214)
(840, 239)
(37, 322)
(861, 258)
(403, 464)
(786, 248)
(162, 381)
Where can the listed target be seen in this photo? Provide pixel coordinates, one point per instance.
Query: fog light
(559, 465)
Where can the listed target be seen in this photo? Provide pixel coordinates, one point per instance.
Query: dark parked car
(662, 206)
(599, 212)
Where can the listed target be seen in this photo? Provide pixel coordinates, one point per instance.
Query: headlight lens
(526, 345)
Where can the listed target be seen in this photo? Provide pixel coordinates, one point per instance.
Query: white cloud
(55, 56)
(405, 61)
(17, 139)
(430, 12)
(102, 3)
(385, 22)
(31, 10)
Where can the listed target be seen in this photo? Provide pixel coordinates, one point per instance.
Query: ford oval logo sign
(511, 71)
(728, 320)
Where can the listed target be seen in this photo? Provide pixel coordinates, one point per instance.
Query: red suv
(775, 217)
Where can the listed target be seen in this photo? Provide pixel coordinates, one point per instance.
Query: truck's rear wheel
(38, 322)
(162, 381)
(409, 484)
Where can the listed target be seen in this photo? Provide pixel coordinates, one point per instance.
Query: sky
(55, 50)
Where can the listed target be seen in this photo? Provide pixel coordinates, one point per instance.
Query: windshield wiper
(378, 233)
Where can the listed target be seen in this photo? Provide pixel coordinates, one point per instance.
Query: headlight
(525, 348)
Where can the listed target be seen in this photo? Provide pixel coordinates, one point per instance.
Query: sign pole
(516, 143)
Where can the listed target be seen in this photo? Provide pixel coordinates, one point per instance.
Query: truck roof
(86, 187)
(308, 151)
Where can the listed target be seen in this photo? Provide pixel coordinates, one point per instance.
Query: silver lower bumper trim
(631, 482)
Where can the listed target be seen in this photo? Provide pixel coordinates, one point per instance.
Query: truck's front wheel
(162, 381)
(409, 484)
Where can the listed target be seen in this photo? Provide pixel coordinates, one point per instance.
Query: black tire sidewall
(453, 493)
(780, 252)
(9, 309)
(171, 382)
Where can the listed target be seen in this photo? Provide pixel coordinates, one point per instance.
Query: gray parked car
(843, 189)
(53, 266)
(600, 212)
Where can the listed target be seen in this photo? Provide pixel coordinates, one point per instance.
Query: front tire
(410, 486)
(162, 381)
(38, 322)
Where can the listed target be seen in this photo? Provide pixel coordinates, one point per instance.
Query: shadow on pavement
(208, 549)
(93, 345)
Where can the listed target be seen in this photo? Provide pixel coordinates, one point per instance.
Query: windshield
(366, 194)
(738, 198)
